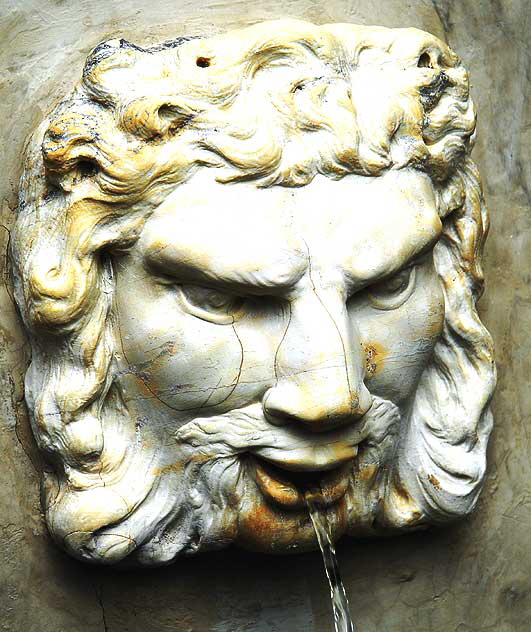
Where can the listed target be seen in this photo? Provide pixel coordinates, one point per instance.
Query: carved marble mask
(249, 267)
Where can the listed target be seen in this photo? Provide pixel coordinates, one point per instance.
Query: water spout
(342, 619)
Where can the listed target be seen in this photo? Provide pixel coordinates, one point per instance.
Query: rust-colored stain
(401, 498)
(434, 481)
(367, 472)
(261, 529)
(374, 356)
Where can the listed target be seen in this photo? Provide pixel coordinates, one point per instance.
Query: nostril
(273, 412)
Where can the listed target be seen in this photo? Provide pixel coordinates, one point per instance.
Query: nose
(319, 366)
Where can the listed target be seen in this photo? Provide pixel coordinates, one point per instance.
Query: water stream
(342, 619)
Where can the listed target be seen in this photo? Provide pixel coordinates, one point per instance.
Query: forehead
(365, 227)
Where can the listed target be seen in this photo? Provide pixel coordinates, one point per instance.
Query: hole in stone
(86, 168)
(424, 61)
(203, 62)
(168, 112)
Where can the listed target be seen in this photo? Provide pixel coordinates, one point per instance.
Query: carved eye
(393, 292)
(211, 305)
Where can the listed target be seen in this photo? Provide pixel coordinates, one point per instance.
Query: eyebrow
(269, 279)
(411, 260)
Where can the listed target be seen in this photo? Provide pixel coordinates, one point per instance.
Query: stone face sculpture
(249, 266)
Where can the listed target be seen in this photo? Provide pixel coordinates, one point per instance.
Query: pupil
(209, 299)
(214, 299)
(398, 282)
(393, 285)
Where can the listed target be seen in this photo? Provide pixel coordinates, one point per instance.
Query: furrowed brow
(418, 254)
(272, 278)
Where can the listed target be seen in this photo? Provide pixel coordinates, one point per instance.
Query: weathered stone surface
(473, 576)
(251, 283)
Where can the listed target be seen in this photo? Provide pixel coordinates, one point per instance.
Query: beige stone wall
(468, 578)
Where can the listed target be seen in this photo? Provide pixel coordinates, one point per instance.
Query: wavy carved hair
(143, 120)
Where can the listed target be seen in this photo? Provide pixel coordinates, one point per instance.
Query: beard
(200, 503)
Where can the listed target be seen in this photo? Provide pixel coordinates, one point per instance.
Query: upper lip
(297, 450)
(288, 446)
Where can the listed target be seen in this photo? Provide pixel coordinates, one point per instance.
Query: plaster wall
(471, 577)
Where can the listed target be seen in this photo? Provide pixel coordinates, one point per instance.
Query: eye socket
(211, 305)
(393, 292)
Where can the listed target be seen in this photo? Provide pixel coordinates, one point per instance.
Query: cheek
(189, 364)
(398, 343)
(202, 368)
(184, 362)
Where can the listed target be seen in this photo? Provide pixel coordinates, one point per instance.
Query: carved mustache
(246, 430)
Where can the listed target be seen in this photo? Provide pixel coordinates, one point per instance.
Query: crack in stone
(155, 396)
(275, 362)
(444, 16)
(5, 271)
(351, 402)
(99, 597)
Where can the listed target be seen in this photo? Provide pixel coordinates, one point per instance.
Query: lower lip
(276, 487)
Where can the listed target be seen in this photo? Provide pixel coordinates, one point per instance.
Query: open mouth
(289, 488)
